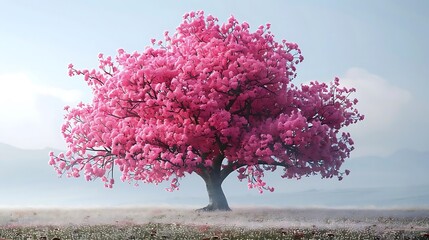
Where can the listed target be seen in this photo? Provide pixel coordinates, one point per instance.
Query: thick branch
(205, 172)
(234, 166)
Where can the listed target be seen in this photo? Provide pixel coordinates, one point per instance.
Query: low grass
(206, 232)
(242, 223)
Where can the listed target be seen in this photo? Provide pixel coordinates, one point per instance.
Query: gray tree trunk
(217, 199)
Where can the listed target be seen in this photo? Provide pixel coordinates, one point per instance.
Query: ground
(241, 223)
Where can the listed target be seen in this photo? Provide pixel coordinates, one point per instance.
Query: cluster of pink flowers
(208, 98)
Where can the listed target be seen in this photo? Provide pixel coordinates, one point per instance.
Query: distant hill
(400, 180)
(404, 168)
(26, 179)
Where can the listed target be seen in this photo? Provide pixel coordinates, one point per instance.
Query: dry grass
(243, 223)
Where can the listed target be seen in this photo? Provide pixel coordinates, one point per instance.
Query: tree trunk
(217, 199)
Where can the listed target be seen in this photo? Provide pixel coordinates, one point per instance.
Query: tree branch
(234, 166)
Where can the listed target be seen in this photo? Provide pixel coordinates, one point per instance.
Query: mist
(249, 217)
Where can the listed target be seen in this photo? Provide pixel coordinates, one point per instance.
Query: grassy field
(174, 231)
(243, 223)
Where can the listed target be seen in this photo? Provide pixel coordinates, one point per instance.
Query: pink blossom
(211, 99)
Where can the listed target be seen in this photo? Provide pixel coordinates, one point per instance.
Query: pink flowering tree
(211, 100)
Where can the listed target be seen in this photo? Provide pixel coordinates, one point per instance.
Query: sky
(379, 47)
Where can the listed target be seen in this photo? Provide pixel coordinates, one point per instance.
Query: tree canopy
(209, 99)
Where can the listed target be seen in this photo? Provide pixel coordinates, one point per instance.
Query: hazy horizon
(374, 182)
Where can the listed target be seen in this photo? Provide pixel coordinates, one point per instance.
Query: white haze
(249, 217)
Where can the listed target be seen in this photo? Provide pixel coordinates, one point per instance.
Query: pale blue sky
(378, 46)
